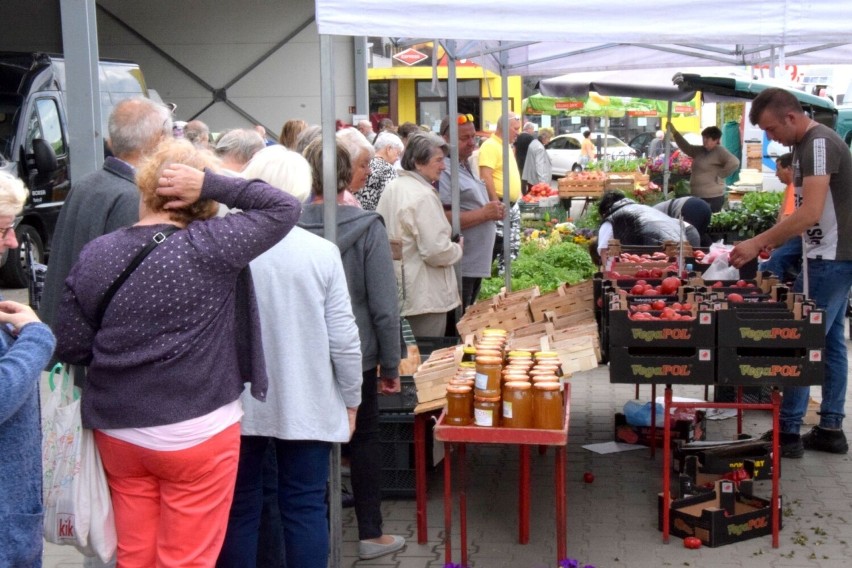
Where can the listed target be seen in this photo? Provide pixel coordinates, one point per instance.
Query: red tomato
(717, 284)
(588, 477)
(656, 273)
(658, 304)
(637, 289)
(670, 285)
(735, 297)
(650, 292)
(641, 282)
(692, 542)
(741, 284)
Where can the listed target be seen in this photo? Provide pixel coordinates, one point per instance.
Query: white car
(564, 151)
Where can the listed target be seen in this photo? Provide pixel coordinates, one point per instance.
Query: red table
(460, 436)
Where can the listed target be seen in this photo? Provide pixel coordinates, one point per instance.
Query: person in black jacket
(636, 224)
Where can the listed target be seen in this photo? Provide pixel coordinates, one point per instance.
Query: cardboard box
(682, 431)
(775, 367)
(667, 365)
(624, 332)
(770, 329)
(722, 517)
(754, 457)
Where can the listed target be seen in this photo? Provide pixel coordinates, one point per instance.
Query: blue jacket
(21, 362)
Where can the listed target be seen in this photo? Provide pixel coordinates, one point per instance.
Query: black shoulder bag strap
(158, 238)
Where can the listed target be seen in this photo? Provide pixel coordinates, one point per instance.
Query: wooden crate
(505, 317)
(580, 188)
(566, 300)
(622, 182)
(641, 179)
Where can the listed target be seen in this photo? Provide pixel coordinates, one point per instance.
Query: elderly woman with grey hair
(236, 147)
(26, 345)
(361, 153)
(414, 214)
(389, 148)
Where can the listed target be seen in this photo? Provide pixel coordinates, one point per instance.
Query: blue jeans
(302, 479)
(828, 282)
(786, 259)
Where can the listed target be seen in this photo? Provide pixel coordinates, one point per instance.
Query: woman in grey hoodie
(368, 265)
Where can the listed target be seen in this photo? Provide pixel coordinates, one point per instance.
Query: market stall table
(460, 436)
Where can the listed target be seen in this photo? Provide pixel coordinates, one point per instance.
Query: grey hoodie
(367, 262)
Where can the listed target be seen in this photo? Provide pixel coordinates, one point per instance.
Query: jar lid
(467, 364)
(548, 385)
(520, 354)
(494, 331)
(489, 360)
(459, 389)
(517, 385)
(539, 371)
(546, 355)
(547, 368)
(544, 379)
(469, 349)
(462, 381)
(487, 398)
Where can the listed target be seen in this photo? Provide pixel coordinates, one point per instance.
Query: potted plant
(757, 212)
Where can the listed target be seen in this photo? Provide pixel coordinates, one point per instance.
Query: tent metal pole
(507, 155)
(666, 172)
(453, 111)
(329, 176)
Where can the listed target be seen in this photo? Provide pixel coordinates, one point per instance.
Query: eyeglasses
(5, 231)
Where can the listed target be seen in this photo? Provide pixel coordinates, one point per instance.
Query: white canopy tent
(554, 37)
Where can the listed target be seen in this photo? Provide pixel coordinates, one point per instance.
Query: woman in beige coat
(414, 215)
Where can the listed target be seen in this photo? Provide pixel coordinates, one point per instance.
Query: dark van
(34, 139)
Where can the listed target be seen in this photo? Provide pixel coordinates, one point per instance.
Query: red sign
(642, 113)
(568, 105)
(410, 56)
(684, 109)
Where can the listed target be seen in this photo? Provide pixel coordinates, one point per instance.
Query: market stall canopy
(646, 84)
(601, 105)
(589, 35)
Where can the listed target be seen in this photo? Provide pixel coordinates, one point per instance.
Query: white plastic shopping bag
(77, 506)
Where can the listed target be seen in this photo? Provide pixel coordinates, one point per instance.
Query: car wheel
(15, 271)
(576, 168)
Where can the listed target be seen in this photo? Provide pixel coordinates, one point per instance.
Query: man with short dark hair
(107, 199)
(822, 177)
(477, 213)
(711, 164)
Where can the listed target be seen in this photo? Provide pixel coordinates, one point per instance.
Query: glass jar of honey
(486, 411)
(488, 374)
(517, 405)
(547, 405)
(468, 354)
(459, 405)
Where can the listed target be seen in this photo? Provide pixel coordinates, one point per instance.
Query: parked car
(641, 142)
(564, 151)
(34, 142)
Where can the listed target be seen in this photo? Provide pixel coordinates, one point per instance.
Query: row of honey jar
(519, 404)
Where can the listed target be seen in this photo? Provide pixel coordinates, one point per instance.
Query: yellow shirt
(491, 156)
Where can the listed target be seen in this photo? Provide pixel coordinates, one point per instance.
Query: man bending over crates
(822, 178)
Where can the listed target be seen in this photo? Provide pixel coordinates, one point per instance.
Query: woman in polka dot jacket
(165, 365)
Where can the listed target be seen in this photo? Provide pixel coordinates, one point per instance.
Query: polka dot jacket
(167, 348)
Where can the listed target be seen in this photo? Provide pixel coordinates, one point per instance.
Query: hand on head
(182, 183)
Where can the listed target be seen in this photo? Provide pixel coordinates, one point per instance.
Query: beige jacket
(413, 213)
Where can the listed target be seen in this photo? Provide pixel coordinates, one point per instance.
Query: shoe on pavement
(823, 440)
(368, 549)
(791, 444)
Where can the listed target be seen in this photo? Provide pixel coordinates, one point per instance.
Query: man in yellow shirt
(491, 162)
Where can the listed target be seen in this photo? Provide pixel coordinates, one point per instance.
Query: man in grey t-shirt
(477, 214)
(822, 179)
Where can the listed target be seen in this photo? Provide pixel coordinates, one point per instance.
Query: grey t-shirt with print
(822, 152)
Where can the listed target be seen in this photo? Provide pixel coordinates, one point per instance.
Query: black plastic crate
(428, 344)
(403, 401)
(751, 395)
(396, 436)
